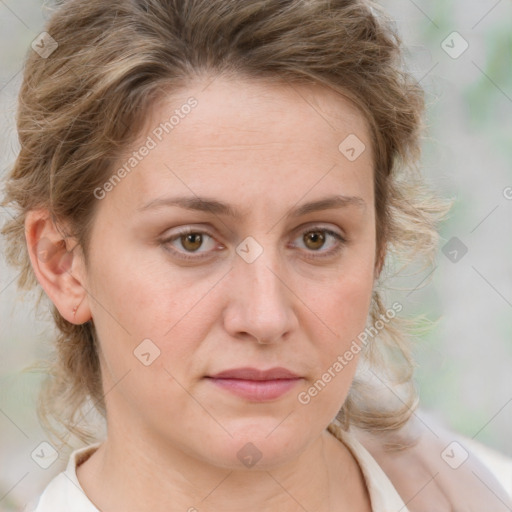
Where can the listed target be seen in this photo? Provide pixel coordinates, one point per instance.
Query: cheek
(343, 305)
(147, 312)
(139, 293)
(343, 309)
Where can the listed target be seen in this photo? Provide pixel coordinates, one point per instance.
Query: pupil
(316, 237)
(190, 238)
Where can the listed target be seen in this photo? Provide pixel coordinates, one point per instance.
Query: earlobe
(58, 265)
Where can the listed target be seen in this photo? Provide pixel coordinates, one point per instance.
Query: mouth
(256, 385)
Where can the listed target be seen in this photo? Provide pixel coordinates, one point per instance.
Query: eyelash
(187, 231)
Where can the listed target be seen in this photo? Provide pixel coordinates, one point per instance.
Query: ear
(58, 264)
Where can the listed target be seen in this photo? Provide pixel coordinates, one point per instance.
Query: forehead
(243, 135)
(268, 111)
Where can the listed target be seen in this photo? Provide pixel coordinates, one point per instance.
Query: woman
(207, 193)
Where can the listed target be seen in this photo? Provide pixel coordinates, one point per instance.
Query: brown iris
(192, 241)
(316, 237)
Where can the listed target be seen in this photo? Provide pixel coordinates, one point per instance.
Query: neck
(154, 476)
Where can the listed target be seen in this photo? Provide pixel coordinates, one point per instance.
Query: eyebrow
(214, 206)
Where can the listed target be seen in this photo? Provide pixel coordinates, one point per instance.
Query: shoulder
(498, 464)
(64, 490)
(454, 471)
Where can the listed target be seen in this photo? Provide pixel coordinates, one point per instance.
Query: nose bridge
(263, 282)
(261, 303)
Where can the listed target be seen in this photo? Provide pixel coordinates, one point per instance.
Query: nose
(261, 305)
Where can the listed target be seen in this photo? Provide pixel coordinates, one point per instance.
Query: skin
(289, 307)
(221, 312)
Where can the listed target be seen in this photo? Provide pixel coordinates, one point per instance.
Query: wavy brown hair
(84, 104)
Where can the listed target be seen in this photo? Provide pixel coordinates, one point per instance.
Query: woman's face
(262, 281)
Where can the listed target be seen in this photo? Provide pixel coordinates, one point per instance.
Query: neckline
(383, 495)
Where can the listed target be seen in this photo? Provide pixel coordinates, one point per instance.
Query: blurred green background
(465, 363)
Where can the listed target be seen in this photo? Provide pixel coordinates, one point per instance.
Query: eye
(318, 237)
(189, 240)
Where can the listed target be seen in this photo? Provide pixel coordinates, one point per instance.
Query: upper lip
(248, 373)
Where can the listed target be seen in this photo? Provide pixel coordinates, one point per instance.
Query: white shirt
(65, 494)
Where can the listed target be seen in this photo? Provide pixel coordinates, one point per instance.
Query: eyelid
(318, 255)
(309, 227)
(197, 256)
(183, 231)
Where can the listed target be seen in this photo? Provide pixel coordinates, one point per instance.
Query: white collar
(64, 492)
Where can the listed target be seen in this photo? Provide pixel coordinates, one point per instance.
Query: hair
(82, 106)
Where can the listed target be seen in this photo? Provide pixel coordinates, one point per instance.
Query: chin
(263, 444)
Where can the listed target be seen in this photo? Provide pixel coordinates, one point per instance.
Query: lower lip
(256, 390)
